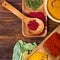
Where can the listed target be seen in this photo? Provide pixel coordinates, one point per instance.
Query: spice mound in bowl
(52, 44)
(33, 4)
(34, 25)
(52, 8)
(38, 56)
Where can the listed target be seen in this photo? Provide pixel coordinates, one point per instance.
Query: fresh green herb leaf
(17, 53)
(21, 48)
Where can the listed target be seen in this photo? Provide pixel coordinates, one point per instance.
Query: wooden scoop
(24, 18)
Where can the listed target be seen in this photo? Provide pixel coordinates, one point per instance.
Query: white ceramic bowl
(48, 14)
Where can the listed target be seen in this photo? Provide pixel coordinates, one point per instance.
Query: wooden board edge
(57, 29)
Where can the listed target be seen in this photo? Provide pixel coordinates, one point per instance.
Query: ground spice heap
(53, 44)
(39, 15)
(38, 56)
(33, 25)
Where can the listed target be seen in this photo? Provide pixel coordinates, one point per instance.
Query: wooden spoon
(24, 18)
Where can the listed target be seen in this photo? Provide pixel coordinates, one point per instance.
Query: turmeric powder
(38, 56)
(54, 8)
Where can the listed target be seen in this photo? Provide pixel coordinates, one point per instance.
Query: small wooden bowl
(26, 11)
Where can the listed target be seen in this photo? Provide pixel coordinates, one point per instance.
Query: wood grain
(11, 30)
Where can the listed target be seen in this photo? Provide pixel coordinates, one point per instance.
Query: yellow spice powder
(38, 56)
(54, 8)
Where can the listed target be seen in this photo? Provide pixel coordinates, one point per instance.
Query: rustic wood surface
(11, 30)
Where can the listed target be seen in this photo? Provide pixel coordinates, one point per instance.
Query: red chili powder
(53, 44)
(39, 15)
(33, 25)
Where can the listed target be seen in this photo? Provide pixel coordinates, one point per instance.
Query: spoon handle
(14, 11)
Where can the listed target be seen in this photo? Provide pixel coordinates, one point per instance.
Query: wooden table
(11, 30)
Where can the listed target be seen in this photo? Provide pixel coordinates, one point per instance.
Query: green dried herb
(33, 4)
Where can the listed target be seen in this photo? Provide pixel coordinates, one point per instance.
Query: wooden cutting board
(41, 48)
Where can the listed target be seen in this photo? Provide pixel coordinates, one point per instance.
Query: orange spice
(38, 56)
(53, 44)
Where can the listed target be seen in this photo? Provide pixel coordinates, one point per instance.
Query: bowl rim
(46, 10)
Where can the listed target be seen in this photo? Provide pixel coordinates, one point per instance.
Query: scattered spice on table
(33, 25)
(53, 44)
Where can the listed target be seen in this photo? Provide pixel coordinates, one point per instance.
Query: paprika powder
(33, 25)
(53, 44)
(42, 17)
